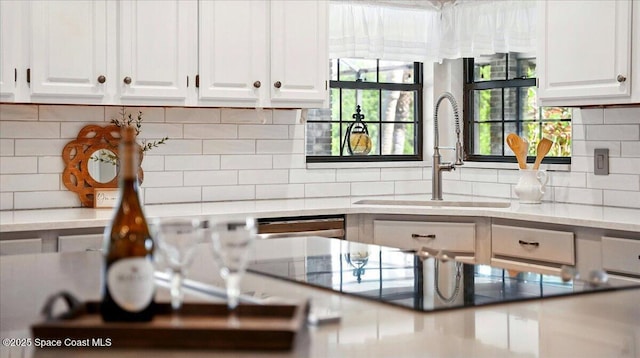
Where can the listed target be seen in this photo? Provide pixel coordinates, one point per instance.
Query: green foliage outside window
(549, 126)
(550, 122)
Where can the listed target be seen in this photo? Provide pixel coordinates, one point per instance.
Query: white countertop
(603, 217)
(600, 324)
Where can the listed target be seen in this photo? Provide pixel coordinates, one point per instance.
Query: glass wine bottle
(129, 287)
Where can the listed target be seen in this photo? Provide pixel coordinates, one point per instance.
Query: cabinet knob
(621, 78)
(257, 84)
(278, 84)
(102, 79)
(127, 80)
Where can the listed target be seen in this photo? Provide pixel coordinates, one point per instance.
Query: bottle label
(131, 283)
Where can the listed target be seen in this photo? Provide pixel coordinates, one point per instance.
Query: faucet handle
(447, 166)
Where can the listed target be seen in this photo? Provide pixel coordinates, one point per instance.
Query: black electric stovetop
(404, 278)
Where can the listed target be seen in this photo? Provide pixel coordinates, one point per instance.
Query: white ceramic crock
(531, 186)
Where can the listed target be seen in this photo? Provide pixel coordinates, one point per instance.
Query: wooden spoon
(519, 148)
(543, 148)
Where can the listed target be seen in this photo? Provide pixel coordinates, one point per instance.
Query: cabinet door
(11, 31)
(233, 52)
(68, 50)
(157, 49)
(621, 255)
(20, 247)
(87, 242)
(584, 51)
(299, 53)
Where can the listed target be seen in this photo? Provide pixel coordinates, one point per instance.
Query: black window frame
(417, 85)
(468, 114)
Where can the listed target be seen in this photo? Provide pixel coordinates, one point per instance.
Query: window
(389, 94)
(500, 98)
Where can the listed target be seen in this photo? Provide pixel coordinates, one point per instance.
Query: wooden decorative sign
(77, 155)
(105, 197)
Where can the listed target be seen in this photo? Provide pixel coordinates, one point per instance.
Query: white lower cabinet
(87, 242)
(458, 238)
(532, 249)
(621, 255)
(20, 246)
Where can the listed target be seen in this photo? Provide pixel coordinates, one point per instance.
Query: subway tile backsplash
(613, 132)
(279, 191)
(243, 154)
(327, 190)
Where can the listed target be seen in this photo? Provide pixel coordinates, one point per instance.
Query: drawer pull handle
(533, 243)
(420, 236)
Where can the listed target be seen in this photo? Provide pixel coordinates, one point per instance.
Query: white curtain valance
(460, 29)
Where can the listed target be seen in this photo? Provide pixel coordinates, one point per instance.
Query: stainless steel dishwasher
(324, 225)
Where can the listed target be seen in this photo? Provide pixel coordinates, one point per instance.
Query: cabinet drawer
(90, 242)
(19, 247)
(533, 244)
(621, 255)
(620, 281)
(412, 235)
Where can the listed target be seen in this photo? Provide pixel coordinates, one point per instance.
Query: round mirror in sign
(101, 167)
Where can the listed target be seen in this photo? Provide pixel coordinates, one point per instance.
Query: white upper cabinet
(11, 31)
(68, 52)
(585, 52)
(233, 52)
(263, 53)
(156, 47)
(299, 52)
(223, 53)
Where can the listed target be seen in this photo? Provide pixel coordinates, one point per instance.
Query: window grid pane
(389, 95)
(501, 99)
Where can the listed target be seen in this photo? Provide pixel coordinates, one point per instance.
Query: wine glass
(357, 257)
(232, 241)
(177, 239)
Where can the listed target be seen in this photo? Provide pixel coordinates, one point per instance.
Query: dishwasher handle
(334, 233)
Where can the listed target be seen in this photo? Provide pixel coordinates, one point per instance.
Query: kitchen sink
(473, 204)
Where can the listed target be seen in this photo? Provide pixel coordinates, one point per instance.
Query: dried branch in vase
(128, 120)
